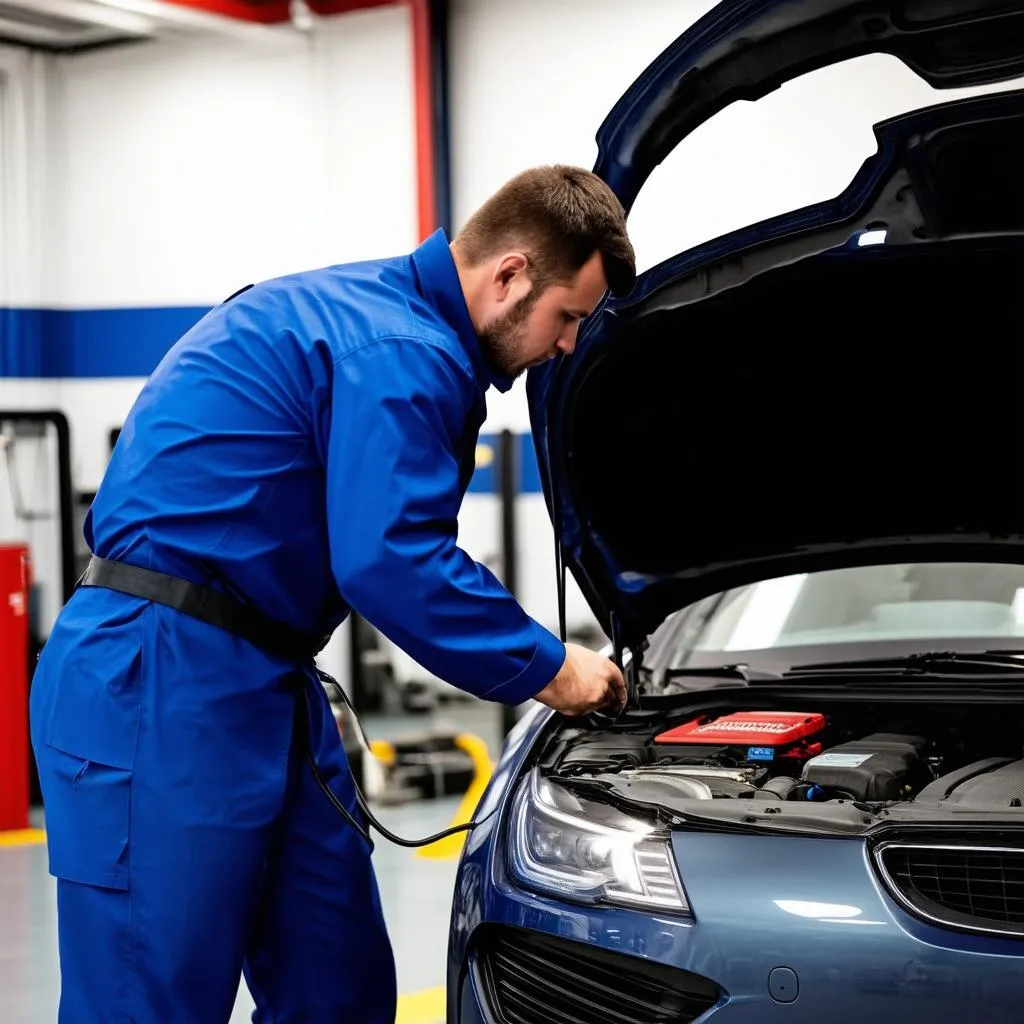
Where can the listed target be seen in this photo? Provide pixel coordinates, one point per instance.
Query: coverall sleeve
(398, 411)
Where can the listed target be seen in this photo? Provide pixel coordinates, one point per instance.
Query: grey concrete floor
(416, 893)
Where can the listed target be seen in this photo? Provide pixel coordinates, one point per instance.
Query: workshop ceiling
(272, 12)
(66, 26)
(35, 23)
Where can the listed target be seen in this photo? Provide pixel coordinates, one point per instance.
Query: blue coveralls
(306, 446)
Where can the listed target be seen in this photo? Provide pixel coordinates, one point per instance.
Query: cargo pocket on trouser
(87, 811)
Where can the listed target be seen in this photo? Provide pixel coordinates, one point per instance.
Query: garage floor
(416, 892)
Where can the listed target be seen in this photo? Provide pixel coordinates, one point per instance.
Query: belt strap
(204, 603)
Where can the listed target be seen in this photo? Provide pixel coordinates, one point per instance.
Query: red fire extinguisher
(15, 579)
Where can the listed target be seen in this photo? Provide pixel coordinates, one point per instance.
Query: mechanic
(303, 450)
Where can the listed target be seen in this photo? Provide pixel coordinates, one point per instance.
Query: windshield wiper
(921, 663)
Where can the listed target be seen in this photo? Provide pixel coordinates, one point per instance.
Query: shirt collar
(439, 282)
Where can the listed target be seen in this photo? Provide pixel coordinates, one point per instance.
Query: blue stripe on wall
(529, 470)
(103, 343)
(90, 342)
(487, 478)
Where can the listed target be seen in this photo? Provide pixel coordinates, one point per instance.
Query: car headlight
(589, 852)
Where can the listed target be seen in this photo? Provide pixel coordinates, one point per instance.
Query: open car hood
(835, 386)
(745, 49)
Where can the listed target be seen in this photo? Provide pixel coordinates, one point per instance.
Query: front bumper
(784, 929)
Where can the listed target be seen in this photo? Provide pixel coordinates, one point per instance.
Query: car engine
(848, 759)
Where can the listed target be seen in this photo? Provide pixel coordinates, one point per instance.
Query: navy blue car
(787, 473)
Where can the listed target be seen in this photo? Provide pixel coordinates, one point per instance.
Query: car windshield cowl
(919, 663)
(705, 677)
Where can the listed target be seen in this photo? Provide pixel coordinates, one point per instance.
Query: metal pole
(439, 65)
(356, 673)
(509, 490)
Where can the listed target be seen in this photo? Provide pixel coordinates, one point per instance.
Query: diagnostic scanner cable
(360, 799)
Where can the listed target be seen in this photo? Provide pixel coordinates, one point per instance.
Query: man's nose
(567, 341)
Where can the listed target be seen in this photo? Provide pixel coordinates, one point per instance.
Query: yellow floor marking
(450, 847)
(23, 837)
(426, 1007)
(383, 751)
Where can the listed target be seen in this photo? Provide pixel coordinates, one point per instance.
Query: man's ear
(510, 266)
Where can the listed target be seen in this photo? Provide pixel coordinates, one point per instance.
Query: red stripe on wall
(423, 96)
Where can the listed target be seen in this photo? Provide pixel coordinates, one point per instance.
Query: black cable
(360, 799)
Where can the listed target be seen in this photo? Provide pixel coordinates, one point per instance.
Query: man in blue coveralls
(303, 450)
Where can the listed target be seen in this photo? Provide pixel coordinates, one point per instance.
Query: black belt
(208, 605)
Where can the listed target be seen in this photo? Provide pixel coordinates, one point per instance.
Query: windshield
(920, 604)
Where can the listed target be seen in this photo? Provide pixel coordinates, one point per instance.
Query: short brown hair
(560, 216)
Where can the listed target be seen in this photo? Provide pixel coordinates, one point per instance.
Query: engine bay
(836, 767)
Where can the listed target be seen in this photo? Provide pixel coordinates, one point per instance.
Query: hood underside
(838, 386)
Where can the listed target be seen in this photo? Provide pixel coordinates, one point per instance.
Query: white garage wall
(26, 88)
(148, 178)
(169, 175)
(190, 171)
(193, 169)
(531, 83)
(23, 88)
(27, 483)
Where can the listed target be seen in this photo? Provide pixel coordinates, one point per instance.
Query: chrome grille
(968, 888)
(534, 978)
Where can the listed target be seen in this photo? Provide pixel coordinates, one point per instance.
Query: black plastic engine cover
(882, 766)
(953, 783)
(995, 783)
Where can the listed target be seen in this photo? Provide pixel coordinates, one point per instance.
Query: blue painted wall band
(76, 343)
(104, 343)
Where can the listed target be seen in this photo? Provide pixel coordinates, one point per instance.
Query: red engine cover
(747, 728)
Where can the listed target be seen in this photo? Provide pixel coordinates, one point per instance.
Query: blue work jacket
(307, 446)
